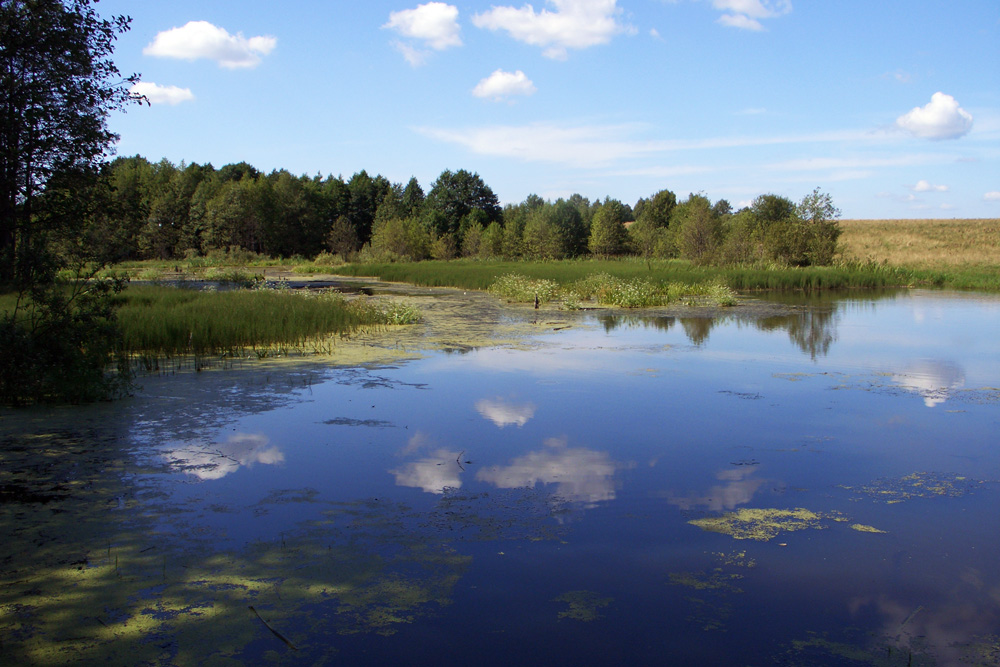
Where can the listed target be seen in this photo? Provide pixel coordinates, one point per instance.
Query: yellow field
(924, 244)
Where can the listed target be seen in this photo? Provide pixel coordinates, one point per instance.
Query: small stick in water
(273, 631)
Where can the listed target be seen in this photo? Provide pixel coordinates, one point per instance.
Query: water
(548, 503)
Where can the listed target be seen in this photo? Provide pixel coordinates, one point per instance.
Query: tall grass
(482, 274)
(163, 322)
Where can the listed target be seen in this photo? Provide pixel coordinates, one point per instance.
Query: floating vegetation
(862, 528)
(761, 524)
(504, 514)
(583, 605)
(918, 485)
(716, 580)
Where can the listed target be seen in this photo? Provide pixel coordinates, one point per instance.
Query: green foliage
(401, 239)
(456, 194)
(57, 88)
(59, 343)
(696, 229)
(608, 236)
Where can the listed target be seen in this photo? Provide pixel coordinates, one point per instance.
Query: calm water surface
(820, 488)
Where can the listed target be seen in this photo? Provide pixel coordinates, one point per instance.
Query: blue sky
(893, 107)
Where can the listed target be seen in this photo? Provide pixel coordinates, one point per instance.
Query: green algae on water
(918, 485)
(583, 605)
(862, 528)
(761, 524)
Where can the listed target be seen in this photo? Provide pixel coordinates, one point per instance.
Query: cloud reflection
(934, 380)
(952, 630)
(438, 470)
(738, 489)
(580, 475)
(216, 460)
(503, 413)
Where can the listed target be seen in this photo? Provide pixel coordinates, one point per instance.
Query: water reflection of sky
(208, 461)
(646, 426)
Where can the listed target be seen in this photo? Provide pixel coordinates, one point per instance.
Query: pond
(813, 482)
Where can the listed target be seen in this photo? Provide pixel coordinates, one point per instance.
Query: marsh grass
(161, 322)
(607, 290)
(480, 275)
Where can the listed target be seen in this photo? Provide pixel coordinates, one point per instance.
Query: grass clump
(160, 321)
(517, 288)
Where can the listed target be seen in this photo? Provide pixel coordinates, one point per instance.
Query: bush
(59, 344)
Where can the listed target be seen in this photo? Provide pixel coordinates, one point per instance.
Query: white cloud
(925, 186)
(600, 145)
(575, 24)
(502, 84)
(746, 14)
(201, 39)
(941, 118)
(157, 94)
(993, 195)
(433, 23)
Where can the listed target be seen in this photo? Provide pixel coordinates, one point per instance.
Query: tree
(454, 195)
(58, 85)
(698, 230)
(608, 235)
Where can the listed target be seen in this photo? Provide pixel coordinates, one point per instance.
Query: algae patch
(862, 528)
(583, 605)
(761, 524)
(918, 485)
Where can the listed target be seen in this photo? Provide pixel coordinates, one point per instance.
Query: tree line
(158, 210)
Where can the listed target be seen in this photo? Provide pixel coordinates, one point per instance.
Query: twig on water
(273, 631)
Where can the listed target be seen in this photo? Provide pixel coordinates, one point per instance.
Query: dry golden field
(924, 244)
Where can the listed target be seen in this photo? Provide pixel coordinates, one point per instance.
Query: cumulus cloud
(501, 84)
(747, 14)
(201, 39)
(925, 186)
(157, 94)
(993, 195)
(435, 24)
(575, 24)
(941, 118)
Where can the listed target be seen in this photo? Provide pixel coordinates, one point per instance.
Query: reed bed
(468, 274)
(163, 322)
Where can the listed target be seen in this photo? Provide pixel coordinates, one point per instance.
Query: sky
(892, 107)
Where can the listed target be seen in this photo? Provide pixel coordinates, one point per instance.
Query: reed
(159, 321)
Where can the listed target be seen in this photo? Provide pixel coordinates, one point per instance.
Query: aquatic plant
(759, 523)
(518, 288)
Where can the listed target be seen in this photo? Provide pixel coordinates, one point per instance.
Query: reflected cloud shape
(434, 473)
(947, 630)
(739, 489)
(580, 475)
(216, 460)
(502, 413)
(933, 380)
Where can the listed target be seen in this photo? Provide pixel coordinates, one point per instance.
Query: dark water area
(815, 488)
